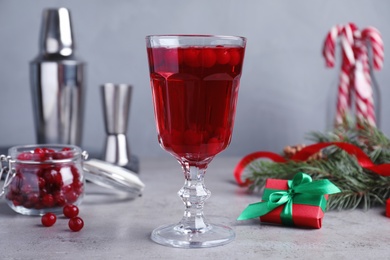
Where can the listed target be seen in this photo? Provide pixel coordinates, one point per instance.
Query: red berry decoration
(76, 224)
(48, 219)
(71, 211)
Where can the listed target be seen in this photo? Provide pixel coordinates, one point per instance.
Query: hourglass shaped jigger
(116, 107)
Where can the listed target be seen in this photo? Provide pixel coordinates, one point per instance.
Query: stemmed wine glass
(195, 81)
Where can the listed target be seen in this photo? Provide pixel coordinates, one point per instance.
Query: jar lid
(112, 176)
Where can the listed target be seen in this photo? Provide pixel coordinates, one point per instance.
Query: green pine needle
(359, 187)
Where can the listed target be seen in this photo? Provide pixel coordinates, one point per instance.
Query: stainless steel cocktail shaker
(57, 82)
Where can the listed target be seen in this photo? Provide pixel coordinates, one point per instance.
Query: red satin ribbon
(304, 154)
(244, 162)
(388, 208)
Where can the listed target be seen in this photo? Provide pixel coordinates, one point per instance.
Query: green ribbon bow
(301, 184)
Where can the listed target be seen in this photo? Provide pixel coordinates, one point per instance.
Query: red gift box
(305, 212)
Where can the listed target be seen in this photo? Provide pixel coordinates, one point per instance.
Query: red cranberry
(48, 150)
(28, 204)
(78, 186)
(76, 224)
(71, 211)
(41, 182)
(192, 137)
(214, 146)
(65, 153)
(75, 172)
(234, 57)
(57, 178)
(17, 200)
(48, 176)
(71, 197)
(223, 56)
(171, 57)
(25, 156)
(208, 58)
(191, 57)
(48, 200)
(39, 154)
(59, 199)
(33, 198)
(48, 219)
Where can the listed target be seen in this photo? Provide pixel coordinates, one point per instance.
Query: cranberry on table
(76, 224)
(71, 211)
(48, 219)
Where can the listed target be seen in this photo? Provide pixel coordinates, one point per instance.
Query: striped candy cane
(344, 88)
(362, 86)
(372, 36)
(329, 49)
(355, 69)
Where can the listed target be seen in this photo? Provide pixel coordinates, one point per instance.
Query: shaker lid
(112, 176)
(56, 32)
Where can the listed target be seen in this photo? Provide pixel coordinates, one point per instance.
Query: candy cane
(348, 35)
(362, 86)
(370, 116)
(373, 36)
(355, 68)
(343, 97)
(370, 37)
(329, 48)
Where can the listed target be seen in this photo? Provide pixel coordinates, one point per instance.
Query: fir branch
(358, 186)
(366, 137)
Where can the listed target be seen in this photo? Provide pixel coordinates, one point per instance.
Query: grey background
(284, 88)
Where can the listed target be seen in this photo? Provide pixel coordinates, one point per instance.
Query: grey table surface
(116, 228)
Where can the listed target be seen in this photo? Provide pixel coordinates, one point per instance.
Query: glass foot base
(176, 236)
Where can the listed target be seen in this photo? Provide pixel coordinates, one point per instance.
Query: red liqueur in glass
(195, 91)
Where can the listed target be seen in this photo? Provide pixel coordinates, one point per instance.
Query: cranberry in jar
(45, 178)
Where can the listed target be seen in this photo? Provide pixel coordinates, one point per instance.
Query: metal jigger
(116, 106)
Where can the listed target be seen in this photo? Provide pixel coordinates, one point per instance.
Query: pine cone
(290, 151)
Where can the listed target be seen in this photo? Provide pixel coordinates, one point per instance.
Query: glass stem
(194, 193)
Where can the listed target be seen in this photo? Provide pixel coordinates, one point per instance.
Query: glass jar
(43, 178)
